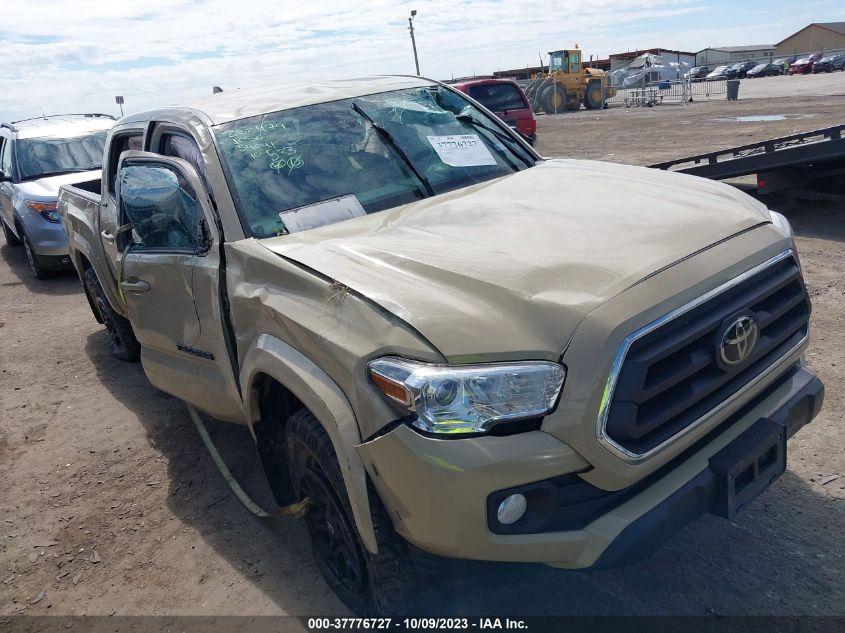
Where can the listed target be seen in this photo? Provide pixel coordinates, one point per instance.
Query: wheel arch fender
(321, 395)
(17, 222)
(80, 251)
(14, 223)
(83, 265)
(83, 255)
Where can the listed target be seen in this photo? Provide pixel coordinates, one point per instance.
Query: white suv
(37, 156)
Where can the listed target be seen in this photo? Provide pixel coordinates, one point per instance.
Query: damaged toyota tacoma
(451, 346)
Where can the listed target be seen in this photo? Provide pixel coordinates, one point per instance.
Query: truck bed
(88, 189)
(79, 205)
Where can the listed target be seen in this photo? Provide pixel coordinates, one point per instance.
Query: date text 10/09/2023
(416, 624)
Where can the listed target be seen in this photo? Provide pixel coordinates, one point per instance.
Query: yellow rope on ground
(294, 510)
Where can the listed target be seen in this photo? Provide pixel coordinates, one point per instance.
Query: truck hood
(48, 188)
(509, 268)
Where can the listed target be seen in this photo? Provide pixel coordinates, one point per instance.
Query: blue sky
(75, 55)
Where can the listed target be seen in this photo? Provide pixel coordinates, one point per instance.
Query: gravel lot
(110, 504)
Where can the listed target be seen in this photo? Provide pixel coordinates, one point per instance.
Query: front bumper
(437, 490)
(700, 495)
(47, 238)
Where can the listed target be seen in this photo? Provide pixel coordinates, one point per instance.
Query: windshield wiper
(390, 140)
(468, 118)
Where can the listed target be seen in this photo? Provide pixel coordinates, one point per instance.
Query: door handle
(135, 286)
(109, 237)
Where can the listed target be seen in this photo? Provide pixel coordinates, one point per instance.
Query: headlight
(468, 399)
(46, 210)
(782, 224)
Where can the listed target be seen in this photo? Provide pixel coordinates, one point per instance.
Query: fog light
(511, 509)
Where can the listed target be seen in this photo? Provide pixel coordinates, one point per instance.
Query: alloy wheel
(333, 538)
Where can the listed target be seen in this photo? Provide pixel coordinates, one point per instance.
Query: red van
(506, 99)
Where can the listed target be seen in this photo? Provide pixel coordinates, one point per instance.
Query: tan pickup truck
(452, 346)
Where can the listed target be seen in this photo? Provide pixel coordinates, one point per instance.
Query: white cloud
(75, 55)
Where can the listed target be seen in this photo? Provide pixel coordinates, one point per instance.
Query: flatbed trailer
(796, 161)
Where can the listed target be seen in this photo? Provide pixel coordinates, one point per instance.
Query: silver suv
(37, 156)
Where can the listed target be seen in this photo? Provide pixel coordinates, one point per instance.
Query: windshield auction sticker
(462, 150)
(321, 213)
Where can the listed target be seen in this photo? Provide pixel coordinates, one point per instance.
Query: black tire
(381, 583)
(593, 95)
(11, 238)
(553, 99)
(536, 104)
(36, 266)
(124, 345)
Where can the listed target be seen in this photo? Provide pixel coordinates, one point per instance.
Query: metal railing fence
(654, 93)
(643, 94)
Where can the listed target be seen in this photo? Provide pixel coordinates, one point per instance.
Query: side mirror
(157, 196)
(143, 188)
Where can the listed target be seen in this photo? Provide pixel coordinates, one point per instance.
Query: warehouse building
(734, 54)
(818, 36)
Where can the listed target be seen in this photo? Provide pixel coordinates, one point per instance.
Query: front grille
(671, 377)
(568, 502)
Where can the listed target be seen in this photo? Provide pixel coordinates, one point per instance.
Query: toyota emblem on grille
(738, 340)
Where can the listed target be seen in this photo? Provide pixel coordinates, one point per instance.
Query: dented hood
(508, 268)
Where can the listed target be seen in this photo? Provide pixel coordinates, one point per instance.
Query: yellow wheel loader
(568, 84)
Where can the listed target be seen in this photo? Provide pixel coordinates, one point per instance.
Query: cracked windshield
(365, 155)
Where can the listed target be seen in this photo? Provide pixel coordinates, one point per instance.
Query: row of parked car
(815, 63)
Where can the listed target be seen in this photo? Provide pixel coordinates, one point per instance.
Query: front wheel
(39, 270)
(380, 583)
(553, 99)
(124, 345)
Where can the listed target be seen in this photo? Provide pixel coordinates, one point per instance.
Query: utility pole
(119, 101)
(413, 41)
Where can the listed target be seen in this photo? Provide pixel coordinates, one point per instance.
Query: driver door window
(119, 145)
(161, 206)
(180, 146)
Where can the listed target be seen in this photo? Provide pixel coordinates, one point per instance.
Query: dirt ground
(109, 503)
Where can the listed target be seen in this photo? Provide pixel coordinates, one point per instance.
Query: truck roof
(231, 105)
